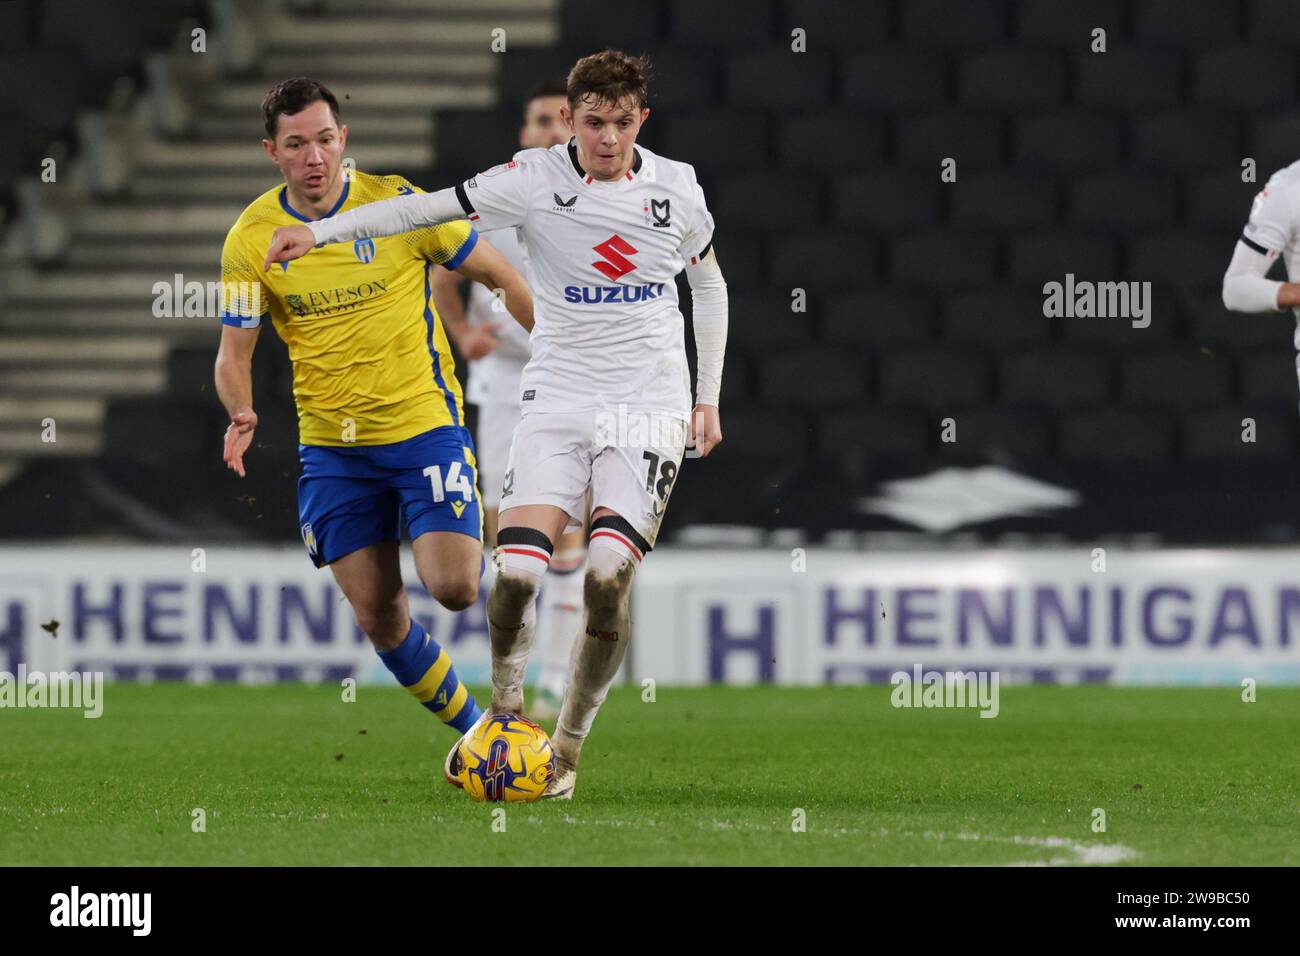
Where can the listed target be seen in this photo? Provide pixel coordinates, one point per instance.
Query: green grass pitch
(293, 775)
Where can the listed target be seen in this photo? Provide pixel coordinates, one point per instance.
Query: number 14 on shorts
(456, 481)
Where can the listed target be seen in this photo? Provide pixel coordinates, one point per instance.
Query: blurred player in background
(380, 416)
(497, 349)
(607, 226)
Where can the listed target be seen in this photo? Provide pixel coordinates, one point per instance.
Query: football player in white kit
(606, 394)
(497, 349)
(1273, 230)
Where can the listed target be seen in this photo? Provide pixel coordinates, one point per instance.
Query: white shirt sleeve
(389, 217)
(699, 227)
(1268, 231)
(498, 198)
(709, 316)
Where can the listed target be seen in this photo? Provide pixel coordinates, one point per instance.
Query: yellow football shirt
(371, 361)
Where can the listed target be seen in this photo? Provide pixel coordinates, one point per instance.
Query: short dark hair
(610, 76)
(294, 96)
(552, 87)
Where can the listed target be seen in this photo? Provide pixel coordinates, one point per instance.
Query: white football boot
(563, 783)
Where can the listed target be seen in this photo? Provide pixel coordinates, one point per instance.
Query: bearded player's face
(308, 148)
(606, 133)
(544, 123)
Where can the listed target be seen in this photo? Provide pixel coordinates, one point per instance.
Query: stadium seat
(1117, 332)
(474, 139)
(763, 433)
(1176, 378)
(1070, 24)
(879, 320)
(1129, 79)
(1245, 78)
(941, 380)
(1117, 435)
(812, 378)
(519, 71)
(1217, 434)
(970, 23)
(598, 25)
(768, 200)
(723, 23)
(887, 199)
(1055, 378)
(1274, 21)
(718, 139)
(993, 432)
(1041, 256)
(762, 321)
(777, 79)
(1122, 200)
(879, 432)
(1220, 202)
(737, 380)
(972, 138)
(1003, 200)
(831, 23)
(1186, 139)
(944, 258)
(680, 79)
(896, 79)
(1071, 141)
(1269, 375)
(743, 256)
(1195, 24)
(1274, 143)
(1012, 79)
(1187, 259)
(999, 317)
(830, 140)
(823, 260)
(1211, 324)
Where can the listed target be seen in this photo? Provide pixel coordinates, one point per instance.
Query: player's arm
(474, 341)
(709, 316)
(487, 266)
(1245, 288)
(234, 381)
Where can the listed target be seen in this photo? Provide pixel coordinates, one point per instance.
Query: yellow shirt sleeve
(245, 301)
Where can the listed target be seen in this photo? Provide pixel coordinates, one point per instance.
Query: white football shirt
(602, 261)
(1274, 226)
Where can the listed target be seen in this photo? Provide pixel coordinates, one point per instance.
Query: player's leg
(559, 622)
(371, 579)
(542, 494)
(349, 523)
(630, 489)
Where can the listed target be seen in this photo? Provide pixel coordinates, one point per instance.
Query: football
(508, 758)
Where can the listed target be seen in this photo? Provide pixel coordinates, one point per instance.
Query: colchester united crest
(308, 538)
(365, 249)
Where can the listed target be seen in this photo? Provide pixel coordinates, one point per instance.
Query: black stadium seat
(887, 199)
(1070, 24)
(824, 260)
(1118, 435)
(890, 78)
(1122, 200)
(475, 139)
(1269, 375)
(722, 23)
(1247, 78)
(944, 258)
(999, 317)
(777, 79)
(1055, 378)
(813, 378)
(1004, 199)
(1274, 21)
(723, 140)
(1187, 139)
(969, 23)
(972, 138)
(830, 140)
(1036, 257)
(880, 320)
(767, 200)
(1218, 434)
(1012, 80)
(832, 23)
(761, 320)
(991, 432)
(878, 432)
(1129, 79)
(1073, 141)
(938, 379)
(1182, 379)
(1194, 24)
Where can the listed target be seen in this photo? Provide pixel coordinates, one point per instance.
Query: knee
(510, 597)
(456, 594)
(605, 592)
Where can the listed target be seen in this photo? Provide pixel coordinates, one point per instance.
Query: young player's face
(606, 133)
(544, 125)
(308, 148)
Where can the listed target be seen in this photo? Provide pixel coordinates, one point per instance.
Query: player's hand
(706, 429)
(238, 437)
(479, 341)
(289, 242)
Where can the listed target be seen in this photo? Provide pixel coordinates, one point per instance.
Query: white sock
(560, 619)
